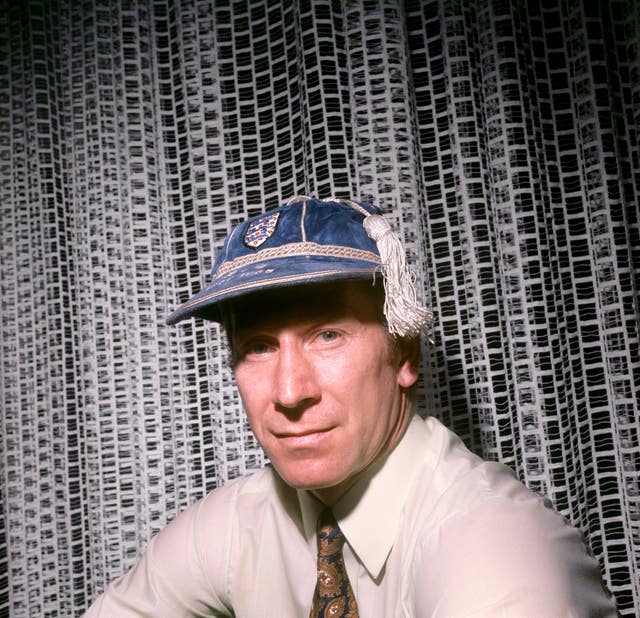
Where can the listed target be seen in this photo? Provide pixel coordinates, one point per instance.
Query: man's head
(324, 355)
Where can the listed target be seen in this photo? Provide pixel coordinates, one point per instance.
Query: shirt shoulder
(454, 480)
(185, 570)
(259, 485)
(461, 475)
(501, 549)
(242, 502)
(225, 518)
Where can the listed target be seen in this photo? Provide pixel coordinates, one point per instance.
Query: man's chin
(309, 484)
(308, 481)
(328, 489)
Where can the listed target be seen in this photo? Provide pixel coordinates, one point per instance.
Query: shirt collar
(372, 508)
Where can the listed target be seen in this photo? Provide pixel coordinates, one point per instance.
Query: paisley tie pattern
(333, 596)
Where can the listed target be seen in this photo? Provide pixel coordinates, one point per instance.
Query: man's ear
(408, 361)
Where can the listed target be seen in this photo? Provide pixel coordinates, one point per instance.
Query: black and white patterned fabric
(500, 138)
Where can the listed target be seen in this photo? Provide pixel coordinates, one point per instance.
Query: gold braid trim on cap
(298, 249)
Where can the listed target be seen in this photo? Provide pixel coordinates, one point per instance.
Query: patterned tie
(333, 596)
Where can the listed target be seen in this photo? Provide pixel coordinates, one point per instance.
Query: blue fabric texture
(303, 242)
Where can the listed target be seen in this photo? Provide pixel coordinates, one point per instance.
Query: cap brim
(286, 271)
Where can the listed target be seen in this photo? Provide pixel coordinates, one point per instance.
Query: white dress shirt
(432, 531)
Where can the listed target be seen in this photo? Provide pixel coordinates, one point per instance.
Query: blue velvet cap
(304, 241)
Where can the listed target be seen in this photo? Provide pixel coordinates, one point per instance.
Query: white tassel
(405, 316)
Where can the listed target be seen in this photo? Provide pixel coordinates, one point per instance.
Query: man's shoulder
(456, 481)
(222, 502)
(247, 498)
(256, 481)
(258, 485)
(498, 546)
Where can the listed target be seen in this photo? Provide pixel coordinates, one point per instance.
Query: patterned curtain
(500, 137)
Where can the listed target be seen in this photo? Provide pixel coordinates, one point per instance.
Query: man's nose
(295, 383)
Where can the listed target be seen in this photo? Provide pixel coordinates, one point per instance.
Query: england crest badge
(260, 230)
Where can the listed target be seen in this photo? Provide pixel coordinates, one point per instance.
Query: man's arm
(176, 577)
(509, 558)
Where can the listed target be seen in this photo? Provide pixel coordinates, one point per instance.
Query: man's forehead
(360, 299)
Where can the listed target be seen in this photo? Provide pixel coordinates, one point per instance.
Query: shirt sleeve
(508, 558)
(178, 576)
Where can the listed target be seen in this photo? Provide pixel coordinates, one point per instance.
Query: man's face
(322, 384)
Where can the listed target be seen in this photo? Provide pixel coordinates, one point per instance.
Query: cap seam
(303, 231)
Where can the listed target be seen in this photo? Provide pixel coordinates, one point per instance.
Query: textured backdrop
(500, 137)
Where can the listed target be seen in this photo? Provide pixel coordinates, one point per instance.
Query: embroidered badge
(260, 230)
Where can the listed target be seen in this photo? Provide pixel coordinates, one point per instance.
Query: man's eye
(255, 348)
(328, 336)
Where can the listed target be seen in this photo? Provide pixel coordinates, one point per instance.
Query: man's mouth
(303, 438)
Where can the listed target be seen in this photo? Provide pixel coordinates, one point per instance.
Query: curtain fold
(501, 139)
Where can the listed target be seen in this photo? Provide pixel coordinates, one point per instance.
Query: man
(367, 510)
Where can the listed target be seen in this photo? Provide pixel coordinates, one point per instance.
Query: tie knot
(330, 537)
